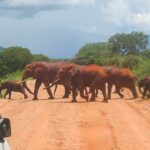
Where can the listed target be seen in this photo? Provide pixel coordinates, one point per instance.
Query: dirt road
(61, 125)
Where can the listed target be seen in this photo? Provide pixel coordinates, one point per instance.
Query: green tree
(92, 52)
(14, 58)
(130, 62)
(146, 54)
(132, 43)
(1, 48)
(39, 57)
(143, 69)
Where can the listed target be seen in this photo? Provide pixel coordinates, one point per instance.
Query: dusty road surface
(121, 124)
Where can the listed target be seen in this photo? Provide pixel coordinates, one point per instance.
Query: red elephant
(120, 77)
(145, 84)
(79, 77)
(43, 72)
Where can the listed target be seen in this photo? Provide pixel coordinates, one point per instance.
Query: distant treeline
(13, 59)
(122, 50)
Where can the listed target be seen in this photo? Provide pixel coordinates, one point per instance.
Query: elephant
(120, 77)
(79, 77)
(68, 78)
(43, 72)
(13, 85)
(145, 84)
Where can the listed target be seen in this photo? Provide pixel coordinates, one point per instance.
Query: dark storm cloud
(27, 8)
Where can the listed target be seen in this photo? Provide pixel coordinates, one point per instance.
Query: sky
(59, 28)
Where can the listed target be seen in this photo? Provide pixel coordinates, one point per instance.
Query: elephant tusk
(55, 82)
(47, 87)
(21, 81)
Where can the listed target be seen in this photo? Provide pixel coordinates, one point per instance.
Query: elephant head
(144, 83)
(34, 70)
(61, 77)
(64, 76)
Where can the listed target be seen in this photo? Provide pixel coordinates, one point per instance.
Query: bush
(143, 69)
(14, 58)
(146, 54)
(130, 62)
(13, 76)
(39, 57)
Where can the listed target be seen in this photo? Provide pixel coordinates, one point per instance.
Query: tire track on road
(131, 130)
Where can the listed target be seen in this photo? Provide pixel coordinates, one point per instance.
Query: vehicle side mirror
(5, 127)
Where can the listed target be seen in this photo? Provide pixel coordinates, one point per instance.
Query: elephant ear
(71, 73)
(28, 70)
(76, 78)
(29, 67)
(38, 73)
(74, 73)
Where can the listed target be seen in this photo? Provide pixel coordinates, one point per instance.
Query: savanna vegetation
(14, 59)
(122, 50)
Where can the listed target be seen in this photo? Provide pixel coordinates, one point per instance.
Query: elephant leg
(144, 93)
(49, 91)
(24, 93)
(109, 90)
(86, 91)
(37, 86)
(118, 92)
(149, 93)
(0, 95)
(67, 92)
(92, 89)
(103, 89)
(96, 92)
(6, 94)
(116, 89)
(82, 94)
(74, 94)
(9, 95)
(133, 90)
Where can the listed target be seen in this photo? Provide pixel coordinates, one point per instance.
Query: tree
(92, 52)
(14, 58)
(39, 57)
(131, 61)
(131, 43)
(146, 54)
(1, 48)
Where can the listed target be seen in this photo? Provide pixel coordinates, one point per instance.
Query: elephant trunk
(25, 85)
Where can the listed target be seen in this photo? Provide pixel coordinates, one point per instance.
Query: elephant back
(125, 72)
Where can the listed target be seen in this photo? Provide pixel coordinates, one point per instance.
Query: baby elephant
(145, 84)
(13, 85)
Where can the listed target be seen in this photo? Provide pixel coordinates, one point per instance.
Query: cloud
(93, 29)
(126, 12)
(27, 8)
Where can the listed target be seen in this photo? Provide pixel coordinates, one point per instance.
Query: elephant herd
(85, 80)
